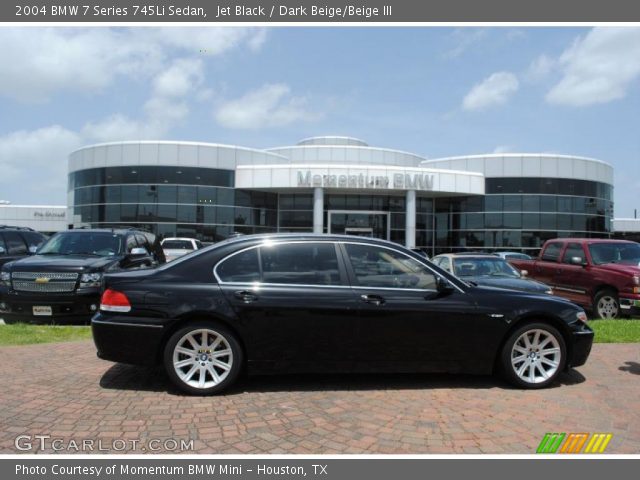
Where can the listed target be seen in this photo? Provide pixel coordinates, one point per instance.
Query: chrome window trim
(333, 242)
(268, 243)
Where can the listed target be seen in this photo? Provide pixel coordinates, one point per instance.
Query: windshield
(484, 267)
(177, 244)
(86, 243)
(628, 253)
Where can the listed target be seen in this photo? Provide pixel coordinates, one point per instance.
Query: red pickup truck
(601, 275)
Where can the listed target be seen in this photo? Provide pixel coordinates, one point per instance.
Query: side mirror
(138, 252)
(33, 249)
(443, 285)
(577, 261)
(524, 273)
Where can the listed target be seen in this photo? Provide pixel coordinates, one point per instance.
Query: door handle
(373, 299)
(246, 296)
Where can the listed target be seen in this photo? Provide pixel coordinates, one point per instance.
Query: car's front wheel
(203, 358)
(606, 304)
(534, 355)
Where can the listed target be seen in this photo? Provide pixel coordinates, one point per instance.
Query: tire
(533, 356)
(203, 358)
(606, 304)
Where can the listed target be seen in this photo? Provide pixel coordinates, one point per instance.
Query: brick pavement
(64, 391)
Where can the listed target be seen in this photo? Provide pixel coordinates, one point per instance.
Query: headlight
(5, 278)
(90, 280)
(582, 317)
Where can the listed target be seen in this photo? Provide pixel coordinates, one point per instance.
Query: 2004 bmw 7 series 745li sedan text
(321, 303)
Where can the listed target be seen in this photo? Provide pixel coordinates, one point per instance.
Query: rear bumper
(76, 308)
(132, 340)
(582, 342)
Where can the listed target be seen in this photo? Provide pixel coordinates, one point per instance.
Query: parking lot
(65, 392)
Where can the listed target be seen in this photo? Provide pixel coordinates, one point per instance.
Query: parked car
(18, 242)
(602, 275)
(178, 246)
(61, 282)
(489, 270)
(328, 303)
(508, 256)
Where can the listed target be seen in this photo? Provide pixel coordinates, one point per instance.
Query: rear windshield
(177, 245)
(628, 253)
(102, 244)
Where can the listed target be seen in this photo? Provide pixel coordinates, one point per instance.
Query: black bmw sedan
(324, 303)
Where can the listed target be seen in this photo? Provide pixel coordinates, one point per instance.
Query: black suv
(61, 282)
(18, 242)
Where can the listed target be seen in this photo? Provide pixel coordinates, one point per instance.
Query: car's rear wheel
(534, 355)
(203, 358)
(606, 304)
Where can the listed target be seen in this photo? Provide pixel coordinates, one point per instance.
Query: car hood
(62, 263)
(521, 284)
(628, 268)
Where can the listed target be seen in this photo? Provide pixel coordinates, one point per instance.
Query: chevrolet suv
(61, 282)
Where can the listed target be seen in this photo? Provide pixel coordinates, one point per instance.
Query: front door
(404, 322)
(359, 223)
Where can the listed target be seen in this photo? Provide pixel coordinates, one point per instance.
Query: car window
(131, 243)
(2, 244)
(15, 244)
(484, 267)
(242, 267)
(177, 245)
(82, 243)
(573, 250)
(198, 244)
(300, 264)
(33, 239)
(445, 263)
(552, 252)
(143, 242)
(384, 268)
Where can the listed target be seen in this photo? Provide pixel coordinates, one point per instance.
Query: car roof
(186, 239)
(468, 255)
(589, 240)
(310, 237)
(119, 231)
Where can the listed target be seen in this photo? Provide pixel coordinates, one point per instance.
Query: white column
(410, 221)
(318, 210)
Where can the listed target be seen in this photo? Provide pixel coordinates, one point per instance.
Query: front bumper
(132, 340)
(630, 306)
(72, 308)
(582, 342)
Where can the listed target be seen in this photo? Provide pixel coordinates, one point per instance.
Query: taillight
(114, 301)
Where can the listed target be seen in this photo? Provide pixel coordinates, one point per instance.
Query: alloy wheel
(202, 358)
(536, 356)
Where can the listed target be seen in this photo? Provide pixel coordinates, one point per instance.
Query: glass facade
(171, 201)
(517, 213)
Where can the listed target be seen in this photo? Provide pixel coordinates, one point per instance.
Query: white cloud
(463, 39)
(598, 68)
(180, 78)
(494, 90)
(271, 105)
(38, 62)
(540, 68)
(36, 159)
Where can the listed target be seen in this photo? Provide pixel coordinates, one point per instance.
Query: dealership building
(341, 185)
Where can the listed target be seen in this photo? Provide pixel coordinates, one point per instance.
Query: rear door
(294, 300)
(571, 280)
(405, 324)
(546, 267)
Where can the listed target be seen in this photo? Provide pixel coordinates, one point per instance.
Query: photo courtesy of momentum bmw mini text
(319, 239)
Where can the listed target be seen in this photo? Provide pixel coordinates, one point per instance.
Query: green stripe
(543, 443)
(556, 445)
(550, 442)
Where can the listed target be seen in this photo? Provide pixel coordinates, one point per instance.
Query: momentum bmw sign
(401, 181)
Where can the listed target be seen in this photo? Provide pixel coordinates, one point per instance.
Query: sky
(433, 91)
